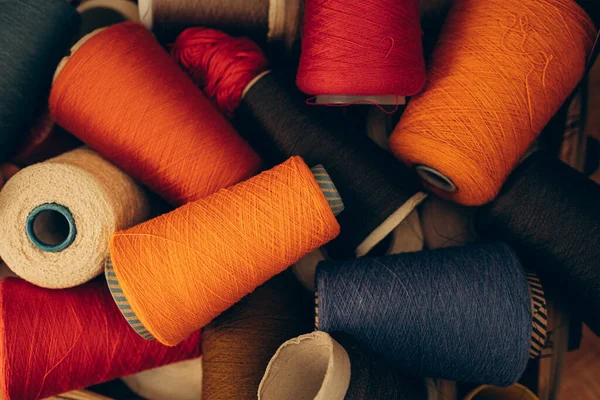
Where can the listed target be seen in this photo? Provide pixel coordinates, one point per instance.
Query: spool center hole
(51, 228)
(436, 178)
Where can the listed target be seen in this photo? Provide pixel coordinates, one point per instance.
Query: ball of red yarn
(54, 341)
(205, 53)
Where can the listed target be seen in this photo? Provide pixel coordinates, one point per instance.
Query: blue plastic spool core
(39, 243)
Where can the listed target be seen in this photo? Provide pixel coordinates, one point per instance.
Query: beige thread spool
(56, 217)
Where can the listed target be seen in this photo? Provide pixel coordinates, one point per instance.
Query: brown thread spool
(240, 342)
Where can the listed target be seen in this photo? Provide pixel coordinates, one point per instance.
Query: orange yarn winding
(182, 269)
(500, 71)
(123, 95)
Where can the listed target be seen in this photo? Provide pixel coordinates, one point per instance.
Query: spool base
(342, 99)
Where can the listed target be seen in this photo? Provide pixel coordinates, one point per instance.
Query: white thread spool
(179, 381)
(57, 217)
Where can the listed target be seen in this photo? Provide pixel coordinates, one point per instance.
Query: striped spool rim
(539, 312)
(327, 188)
(119, 297)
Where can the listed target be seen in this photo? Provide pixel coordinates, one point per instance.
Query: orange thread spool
(177, 272)
(123, 95)
(500, 71)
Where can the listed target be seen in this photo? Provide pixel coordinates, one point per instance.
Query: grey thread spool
(262, 20)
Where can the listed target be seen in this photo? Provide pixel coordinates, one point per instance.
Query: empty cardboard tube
(311, 366)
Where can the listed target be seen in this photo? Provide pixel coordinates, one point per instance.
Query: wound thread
(499, 72)
(228, 243)
(124, 68)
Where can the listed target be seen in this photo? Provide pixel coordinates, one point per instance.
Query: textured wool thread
(99, 196)
(361, 47)
(500, 71)
(549, 213)
(34, 36)
(239, 343)
(124, 96)
(221, 65)
(460, 313)
(181, 270)
(378, 192)
(53, 341)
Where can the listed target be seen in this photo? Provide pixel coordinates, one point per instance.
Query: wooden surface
(581, 374)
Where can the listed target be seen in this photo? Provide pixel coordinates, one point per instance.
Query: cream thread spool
(311, 366)
(56, 217)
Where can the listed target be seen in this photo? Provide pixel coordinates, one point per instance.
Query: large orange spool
(172, 275)
(500, 70)
(123, 95)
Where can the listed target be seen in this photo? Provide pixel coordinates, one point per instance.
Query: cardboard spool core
(435, 178)
(311, 366)
(51, 227)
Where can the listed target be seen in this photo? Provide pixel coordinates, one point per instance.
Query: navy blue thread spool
(461, 313)
(68, 235)
(34, 36)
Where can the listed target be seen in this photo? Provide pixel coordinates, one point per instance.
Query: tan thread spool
(311, 366)
(78, 191)
(240, 342)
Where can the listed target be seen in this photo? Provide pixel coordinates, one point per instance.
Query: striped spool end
(539, 312)
(122, 303)
(328, 188)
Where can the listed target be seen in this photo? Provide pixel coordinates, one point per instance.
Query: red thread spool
(361, 50)
(54, 341)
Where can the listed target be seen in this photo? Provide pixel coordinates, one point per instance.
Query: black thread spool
(266, 21)
(378, 191)
(34, 36)
(550, 213)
